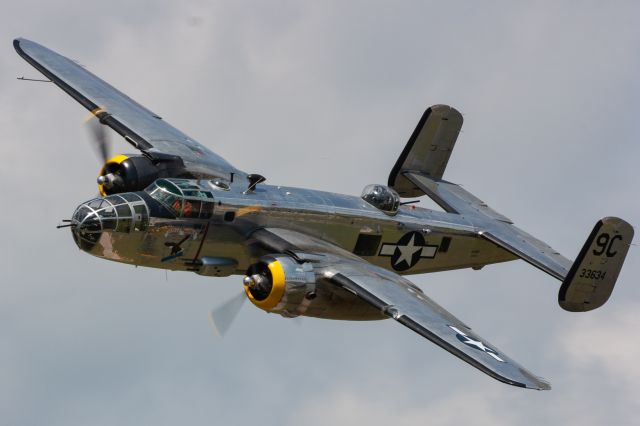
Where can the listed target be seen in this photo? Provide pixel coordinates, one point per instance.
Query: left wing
(401, 300)
(141, 127)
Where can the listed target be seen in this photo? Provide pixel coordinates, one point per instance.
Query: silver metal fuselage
(450, 241)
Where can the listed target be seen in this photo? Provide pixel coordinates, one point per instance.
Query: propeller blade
(222, 317)
(100, 137)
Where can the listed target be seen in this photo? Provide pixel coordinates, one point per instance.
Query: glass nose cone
(86, 227)
(122, 213)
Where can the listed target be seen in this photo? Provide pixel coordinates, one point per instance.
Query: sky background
(322, 95)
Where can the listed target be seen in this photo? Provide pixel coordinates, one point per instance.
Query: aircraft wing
(401, 300)
(142, 128)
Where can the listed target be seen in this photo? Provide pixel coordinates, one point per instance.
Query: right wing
(401, 300)
(142, 128)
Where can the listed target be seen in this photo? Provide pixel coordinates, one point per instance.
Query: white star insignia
(477, 344)
(407, 252)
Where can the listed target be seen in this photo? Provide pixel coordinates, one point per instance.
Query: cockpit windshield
(183, 197)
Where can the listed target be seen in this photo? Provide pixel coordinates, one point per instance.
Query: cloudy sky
(321, 95)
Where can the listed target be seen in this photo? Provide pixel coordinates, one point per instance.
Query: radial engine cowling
(281, 285)
(127, 173)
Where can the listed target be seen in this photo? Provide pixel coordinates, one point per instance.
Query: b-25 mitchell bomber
(177, 205)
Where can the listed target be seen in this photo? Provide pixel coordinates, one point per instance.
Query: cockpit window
(185, 184)
(183, 197)
(198, 194)
(167, 193)
(168, 186)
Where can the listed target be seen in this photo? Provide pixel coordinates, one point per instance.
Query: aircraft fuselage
(415, 240)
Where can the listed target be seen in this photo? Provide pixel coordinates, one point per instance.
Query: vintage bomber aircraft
(177, 205)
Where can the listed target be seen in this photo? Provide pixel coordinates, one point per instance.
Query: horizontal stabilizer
(453, 198)
(593, 275)
(492, 225)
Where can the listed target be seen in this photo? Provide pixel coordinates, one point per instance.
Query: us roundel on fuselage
(409, 249)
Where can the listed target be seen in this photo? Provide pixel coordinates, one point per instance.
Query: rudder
(591, 279)
(428, 149)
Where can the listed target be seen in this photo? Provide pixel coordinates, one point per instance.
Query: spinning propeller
(102, 145)
(223, 316)
(99, 135)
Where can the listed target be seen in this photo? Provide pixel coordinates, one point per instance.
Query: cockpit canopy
(382, 197)
(183, 197)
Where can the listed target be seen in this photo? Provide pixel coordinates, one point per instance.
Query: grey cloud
(322, 95)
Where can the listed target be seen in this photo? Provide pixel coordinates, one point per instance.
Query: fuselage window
(141, 217)
(444, 245)
(207, 210)
(367, 245)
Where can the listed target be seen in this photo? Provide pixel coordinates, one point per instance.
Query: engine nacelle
(128, 173)
(281, 285)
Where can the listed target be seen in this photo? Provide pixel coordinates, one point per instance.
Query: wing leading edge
(403, 301)
(142, 128)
